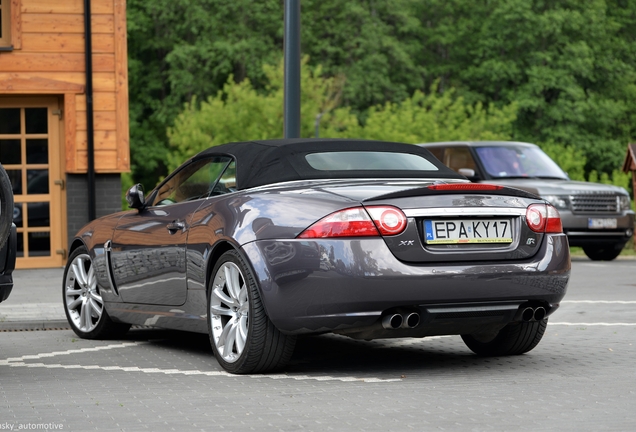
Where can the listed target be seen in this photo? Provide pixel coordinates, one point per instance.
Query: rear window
(368, 160)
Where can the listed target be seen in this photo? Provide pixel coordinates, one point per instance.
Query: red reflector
(465, 186)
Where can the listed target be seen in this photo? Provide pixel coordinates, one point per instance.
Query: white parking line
(601, 301)
(600, 324)
(19, 362)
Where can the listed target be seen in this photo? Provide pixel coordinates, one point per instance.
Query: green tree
(435, 117)
(180, 49)
(239, 112)
(569, 65)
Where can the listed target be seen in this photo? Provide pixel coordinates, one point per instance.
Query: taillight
(465, 186)
(543, 218)
(355, 222)
(389, 220)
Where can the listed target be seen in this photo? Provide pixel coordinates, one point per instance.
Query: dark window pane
(38, 214)
(38, 181)
(36, 120)
(9, 120)
(37, 151)
(39, 244)
(15, 176)
(10, 152)
(20, 246)
(17, 214)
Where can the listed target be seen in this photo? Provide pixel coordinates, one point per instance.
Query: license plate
(602, 223)
(467, 231)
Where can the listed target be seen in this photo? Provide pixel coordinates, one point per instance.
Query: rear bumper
(329, 285)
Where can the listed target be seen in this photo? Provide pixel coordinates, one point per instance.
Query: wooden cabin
(45, 95)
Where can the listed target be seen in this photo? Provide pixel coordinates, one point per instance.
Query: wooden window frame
(11, 37)
(5, 11)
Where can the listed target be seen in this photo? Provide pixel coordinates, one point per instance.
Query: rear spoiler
(457, 189)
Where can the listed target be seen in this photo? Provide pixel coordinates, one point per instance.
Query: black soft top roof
(265, 162)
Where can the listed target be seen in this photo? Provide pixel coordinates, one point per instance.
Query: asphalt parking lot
(580, 377)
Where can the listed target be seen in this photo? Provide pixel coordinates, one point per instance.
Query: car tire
(513, 339)
(6, 206)
(243, 338)
(602, 253)
(83, 303)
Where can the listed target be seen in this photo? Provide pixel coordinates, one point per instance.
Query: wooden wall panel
(66, 42)
(54, 62)
(66, 6)
(102, 81)
(103, 140)
(104, 101)
(102, 120)
(105, 161)
(66, 23)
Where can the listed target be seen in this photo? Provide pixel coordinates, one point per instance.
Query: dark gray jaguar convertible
(258, 242)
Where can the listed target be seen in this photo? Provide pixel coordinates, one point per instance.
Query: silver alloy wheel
(81, 295)
(229, 311)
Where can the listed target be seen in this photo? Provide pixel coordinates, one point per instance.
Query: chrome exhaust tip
(539, 313)
(392, 321)
(411, 320)
(528, 314)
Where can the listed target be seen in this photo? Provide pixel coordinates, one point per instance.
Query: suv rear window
(368, 160)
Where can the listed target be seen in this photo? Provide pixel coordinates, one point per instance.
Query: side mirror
(135, 197)
(467, 172)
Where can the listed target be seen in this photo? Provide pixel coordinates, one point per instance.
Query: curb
(34, 325)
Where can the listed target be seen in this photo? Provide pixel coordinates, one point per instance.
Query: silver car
(597, 217)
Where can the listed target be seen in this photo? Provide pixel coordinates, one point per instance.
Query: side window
(195, 181)
(227, 182)
(459, 157)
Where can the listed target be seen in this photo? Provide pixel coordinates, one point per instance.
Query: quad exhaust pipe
(533, 314)
(406, 320)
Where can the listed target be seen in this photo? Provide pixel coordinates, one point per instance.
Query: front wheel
(243, 338)
(602, 253)
(83, 302)
(513, 339)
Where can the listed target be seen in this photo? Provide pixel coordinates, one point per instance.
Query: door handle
(175, 226)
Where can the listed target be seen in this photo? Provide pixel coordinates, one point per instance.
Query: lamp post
(291, 89)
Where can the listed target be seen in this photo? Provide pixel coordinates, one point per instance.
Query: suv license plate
(602, 223)
(467, 231)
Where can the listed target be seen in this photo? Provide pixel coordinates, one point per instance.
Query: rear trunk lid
(462, 225)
